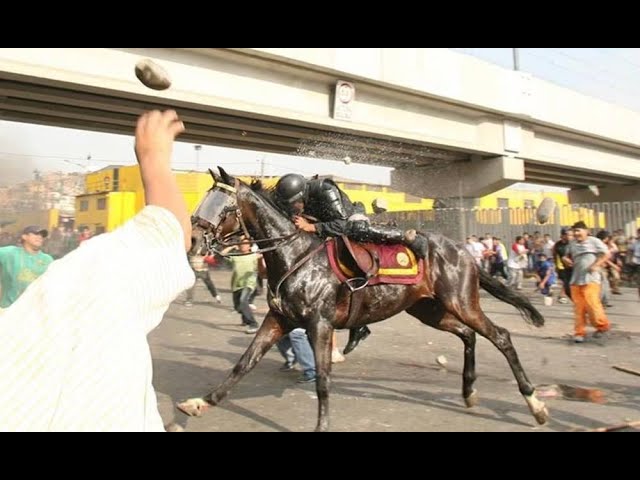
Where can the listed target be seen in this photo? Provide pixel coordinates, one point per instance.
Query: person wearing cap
(75, 355)
(587, 255)
(21, 265)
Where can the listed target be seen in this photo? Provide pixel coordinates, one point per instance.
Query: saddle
(363, 264)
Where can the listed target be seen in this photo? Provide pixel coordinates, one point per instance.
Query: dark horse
(312, 297)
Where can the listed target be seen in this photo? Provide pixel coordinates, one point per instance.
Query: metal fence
(507, 223)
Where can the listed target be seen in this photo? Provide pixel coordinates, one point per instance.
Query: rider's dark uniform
(331, 206)
(335, 213)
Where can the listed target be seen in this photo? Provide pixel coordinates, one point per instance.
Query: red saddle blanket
(396, 264)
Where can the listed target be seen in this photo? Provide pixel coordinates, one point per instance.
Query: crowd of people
(58, 243)
(587, 269)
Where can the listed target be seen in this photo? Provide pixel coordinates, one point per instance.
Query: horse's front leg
(321, 333)
(268, 334)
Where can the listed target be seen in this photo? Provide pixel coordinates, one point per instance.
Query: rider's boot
(356, 335)
(362, 231)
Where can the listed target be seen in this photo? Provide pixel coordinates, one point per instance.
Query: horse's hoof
(194, 407)
(337, 357)
(537, 408)
(173, 428)
(472, 400)
(542, 416)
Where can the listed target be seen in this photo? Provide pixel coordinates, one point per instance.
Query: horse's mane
(267, 194)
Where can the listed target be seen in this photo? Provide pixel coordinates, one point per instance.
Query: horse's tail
(501, 292)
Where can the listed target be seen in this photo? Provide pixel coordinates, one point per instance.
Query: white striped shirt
(74, 354)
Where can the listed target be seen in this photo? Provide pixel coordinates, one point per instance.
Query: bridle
(211, 234)
(212, 240)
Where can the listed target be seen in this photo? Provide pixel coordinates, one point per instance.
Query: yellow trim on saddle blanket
(400, 272)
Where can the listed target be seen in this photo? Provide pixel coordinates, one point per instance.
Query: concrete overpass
(451, 125)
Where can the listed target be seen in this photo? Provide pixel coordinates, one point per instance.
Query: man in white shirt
(517, 263)
(75, 355)
(476, 249)
(548, 245)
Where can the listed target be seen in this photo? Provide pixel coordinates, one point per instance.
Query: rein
(210, 238)
(211, 243)
(274, 295)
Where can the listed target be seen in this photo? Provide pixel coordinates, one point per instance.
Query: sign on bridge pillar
(344, 98)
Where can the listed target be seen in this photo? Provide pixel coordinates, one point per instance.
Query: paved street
(392, 381)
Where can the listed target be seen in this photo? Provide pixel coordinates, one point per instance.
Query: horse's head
(217, 216)
(233, 208)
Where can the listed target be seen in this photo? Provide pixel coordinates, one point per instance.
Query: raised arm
(155, 134)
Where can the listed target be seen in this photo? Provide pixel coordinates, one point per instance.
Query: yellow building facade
(115, 194)
(521, 207)
(396, 201)
(516, 198)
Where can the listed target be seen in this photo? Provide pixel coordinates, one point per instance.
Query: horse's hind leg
(432, 313)
(268, 334)
(320, 335)
(468, 311)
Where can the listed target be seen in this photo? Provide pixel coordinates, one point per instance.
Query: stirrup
(356, 286)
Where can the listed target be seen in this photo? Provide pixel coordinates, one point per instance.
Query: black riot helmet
(291, 188)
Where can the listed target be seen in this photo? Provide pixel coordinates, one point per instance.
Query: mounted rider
(337, 215)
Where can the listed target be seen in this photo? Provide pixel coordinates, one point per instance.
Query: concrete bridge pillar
(467, 179)
(457, 185)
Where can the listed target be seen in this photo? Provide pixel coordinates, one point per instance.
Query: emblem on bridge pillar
(343, 102)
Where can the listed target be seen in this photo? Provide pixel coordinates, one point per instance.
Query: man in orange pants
(587, 255)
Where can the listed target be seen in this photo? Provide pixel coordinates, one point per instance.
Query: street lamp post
(197, 149)
(262, 168)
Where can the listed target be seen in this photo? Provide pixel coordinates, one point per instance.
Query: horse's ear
(226, 178)
(256, 185)
(213, 175)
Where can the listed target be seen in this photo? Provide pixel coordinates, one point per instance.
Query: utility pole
(516, 59)
(262, 168)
